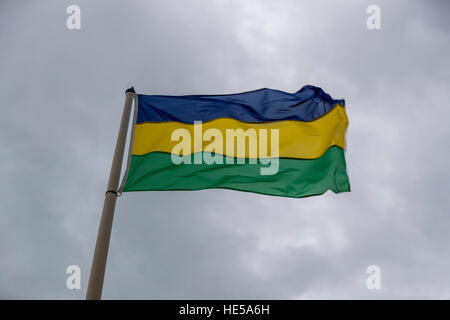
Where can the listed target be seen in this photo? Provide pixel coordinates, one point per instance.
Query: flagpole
(97, 275)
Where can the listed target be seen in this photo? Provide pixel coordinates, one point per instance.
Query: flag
(264, 141)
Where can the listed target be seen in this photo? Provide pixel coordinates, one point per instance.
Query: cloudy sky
(62, 93)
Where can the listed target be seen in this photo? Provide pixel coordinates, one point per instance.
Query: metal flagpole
(96, 277)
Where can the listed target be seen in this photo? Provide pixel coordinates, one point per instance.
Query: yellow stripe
(297, 139)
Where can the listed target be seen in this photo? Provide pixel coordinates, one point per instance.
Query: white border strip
(130, 149)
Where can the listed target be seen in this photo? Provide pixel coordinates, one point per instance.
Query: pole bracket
(112, 191)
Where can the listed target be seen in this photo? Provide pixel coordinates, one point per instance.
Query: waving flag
(264, 141)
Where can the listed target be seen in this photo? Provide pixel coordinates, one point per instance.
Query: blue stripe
(261, 105)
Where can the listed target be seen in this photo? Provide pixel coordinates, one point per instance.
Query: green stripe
(295, 177)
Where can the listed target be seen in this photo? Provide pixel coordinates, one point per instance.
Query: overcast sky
(62, 94)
